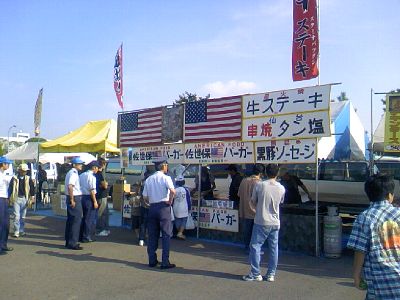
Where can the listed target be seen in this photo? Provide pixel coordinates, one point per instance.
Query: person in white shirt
(74, 205)
(87, 182)
(159, 192)
(267, 196)
(4, 215)
(181, 206)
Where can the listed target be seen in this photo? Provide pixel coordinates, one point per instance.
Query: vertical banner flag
(138, 128)
(305, 47)
(118, 84)
(38, 113)
(213, 120)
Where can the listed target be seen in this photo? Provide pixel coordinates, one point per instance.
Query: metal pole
(8, 137)
(317, 254)
(319, 52)
(198, 204)
(371, 153)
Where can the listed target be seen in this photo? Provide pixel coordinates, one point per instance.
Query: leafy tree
(36, 139)
(189, 97)
(2, 149)
(342, 97)
(396, 91)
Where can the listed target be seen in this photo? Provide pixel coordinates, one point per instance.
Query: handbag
(190, 223)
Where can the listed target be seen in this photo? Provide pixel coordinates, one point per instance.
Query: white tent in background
(29, 152)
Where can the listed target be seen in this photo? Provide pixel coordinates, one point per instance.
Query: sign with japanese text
(286, 101)
(392, 123)
(127, 209)
(219, 153)
(145, 155)
(305, 46)
(291, 126)
(216, 218)
(286, 151)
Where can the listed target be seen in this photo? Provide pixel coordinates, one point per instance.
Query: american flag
(118, 83)
(140, 128)
(213, 120)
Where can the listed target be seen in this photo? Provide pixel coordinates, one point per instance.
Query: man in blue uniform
(74, 205)
(4, 215)
(89, 203)
(159, 192)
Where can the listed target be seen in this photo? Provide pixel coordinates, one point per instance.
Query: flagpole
(319, 48)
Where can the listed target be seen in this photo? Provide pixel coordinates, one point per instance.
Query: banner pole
(319, 46)
(317, 253)
(198, 203)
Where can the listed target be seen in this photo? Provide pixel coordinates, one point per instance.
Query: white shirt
(157, 187)
(4, 183)
(88, 182)
(72, 178)
(268, 195)
(180, 205)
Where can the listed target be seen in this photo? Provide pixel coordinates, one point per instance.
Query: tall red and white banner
(118, 83)
(305, 47)
(38, 113)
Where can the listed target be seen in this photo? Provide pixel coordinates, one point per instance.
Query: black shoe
(152, 265)
(7, 248)
(169, 266)
(3, 253)
(77, 247)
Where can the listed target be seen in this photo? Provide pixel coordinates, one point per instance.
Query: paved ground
(115, 268)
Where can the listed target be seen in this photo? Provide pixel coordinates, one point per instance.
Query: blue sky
(218, 47)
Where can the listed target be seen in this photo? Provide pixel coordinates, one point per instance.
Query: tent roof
(27, 151)
(94, 136)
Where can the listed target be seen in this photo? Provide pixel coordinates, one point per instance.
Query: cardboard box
(58, 201)
(118, 194)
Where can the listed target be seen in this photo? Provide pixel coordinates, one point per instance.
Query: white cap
(179, 178)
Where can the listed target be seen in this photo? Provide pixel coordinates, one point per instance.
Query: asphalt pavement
(115, 267)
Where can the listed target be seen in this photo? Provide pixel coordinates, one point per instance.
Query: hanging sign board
(286, 151)
(392, 123)
(145, 155)
(219, 153)
(216, 218)
(292, 126)
(286, 101)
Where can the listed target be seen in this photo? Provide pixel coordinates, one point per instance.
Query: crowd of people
(158, 201)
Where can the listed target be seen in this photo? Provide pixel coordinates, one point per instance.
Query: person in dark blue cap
(89, 203)
(74, 205)
(4, 215)
(159, 192)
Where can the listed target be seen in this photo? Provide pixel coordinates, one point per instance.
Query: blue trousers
(259, 236)
(4, 223)
(159, 219)
(247, 231)
(74, 219)
(89, 218)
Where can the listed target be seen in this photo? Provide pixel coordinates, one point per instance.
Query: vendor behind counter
(292, 184)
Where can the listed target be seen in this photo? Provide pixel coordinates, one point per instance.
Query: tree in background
(36, 139)
(396, 91)
(2, 148)
(342, 97)
(189, 97)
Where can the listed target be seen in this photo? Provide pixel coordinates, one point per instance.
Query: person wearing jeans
(267, 196)
(247, 211)
(22, 191)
